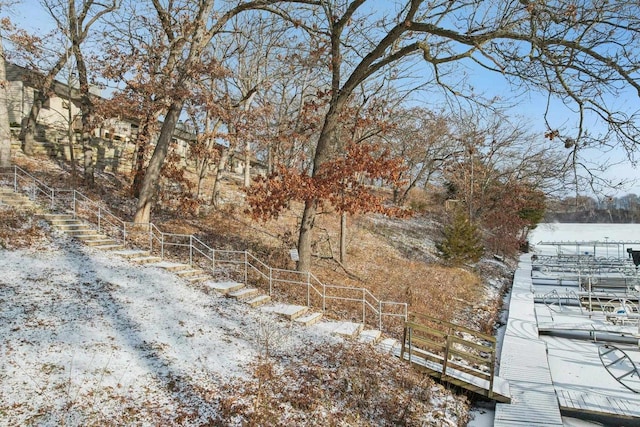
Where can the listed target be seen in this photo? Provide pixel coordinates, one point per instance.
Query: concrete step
(176, 267)
(102, 243)
(224, 287)
(197, 279)
(288, 311)
(16, 200)
(132, 253)
(189, 272)
(390, 345)
(96, 240)
(19, 206)
(344, 329)
(72, 225)
(243, 294)
(8, 193)
(258, 300)
(53, 218)
(91, 235)
(109, 247)
(309, 319)
(80, 232)
(370, 336)
(149, 259)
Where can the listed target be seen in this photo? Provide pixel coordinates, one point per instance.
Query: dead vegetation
(393, 258)
(20, 229)
(341, 386)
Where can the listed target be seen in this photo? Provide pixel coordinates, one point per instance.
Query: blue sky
(30, 15)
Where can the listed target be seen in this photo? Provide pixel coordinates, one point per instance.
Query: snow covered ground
(606, 234)
(78, 325)
(87, 338)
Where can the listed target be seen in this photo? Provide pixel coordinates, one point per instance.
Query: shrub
(461, 241)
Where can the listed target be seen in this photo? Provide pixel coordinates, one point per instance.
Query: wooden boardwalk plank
(523, 362)
(529, 368)
(598, 404)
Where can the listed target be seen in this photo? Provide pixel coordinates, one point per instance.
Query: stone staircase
(253, 297)
(17, 201)
(80, 230)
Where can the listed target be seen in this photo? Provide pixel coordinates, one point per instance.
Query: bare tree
(576, 51)
(5, 130)
(80, 18)
(424, 140)
(188, 28)
(73, 20)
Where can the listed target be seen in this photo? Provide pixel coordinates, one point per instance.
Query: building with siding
(114, 142)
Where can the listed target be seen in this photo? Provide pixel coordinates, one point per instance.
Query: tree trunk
(89, 167)
(247, 164)
(144, 137)
(343, 238)
(221, 165)
(247, 144)
(306, 235)
(72, 153)
(323, 150)
(5, 130)
(201, 168)
(152, 175)
(28, 132)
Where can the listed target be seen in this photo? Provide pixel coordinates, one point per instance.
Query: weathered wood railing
(453, 353)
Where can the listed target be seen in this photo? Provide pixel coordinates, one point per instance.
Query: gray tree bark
(5, 130)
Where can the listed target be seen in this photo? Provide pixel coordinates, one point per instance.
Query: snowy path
(84, 332)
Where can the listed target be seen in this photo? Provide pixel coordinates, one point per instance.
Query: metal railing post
(15, 179)
(124, 233)
(213, 260)
(161, 245)
(99, 218)
(53, 191)
(191, 250)
(380, 315)
(246, 261)
(364, 307)
(270, 281)
(410, 343)
(150, 238)
(74, 204)
(324, 298)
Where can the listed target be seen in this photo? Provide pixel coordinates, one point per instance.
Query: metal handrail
(107, 222)
(36, 188)
(102, 216)
(275, 276)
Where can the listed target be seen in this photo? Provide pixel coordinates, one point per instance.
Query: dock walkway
(524, 361)
(550, 375)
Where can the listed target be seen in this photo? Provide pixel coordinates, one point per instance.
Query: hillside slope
(89, 339)
(393, 258)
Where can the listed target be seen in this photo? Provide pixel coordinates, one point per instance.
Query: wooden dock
(523, 362)
(454, 355)
(546, 373)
